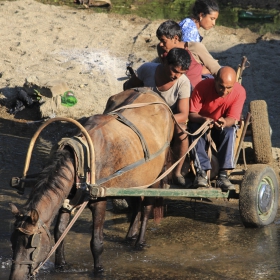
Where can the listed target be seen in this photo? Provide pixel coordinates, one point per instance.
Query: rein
(102, 190)
(92, 181)
(62, 236)
(201, 130)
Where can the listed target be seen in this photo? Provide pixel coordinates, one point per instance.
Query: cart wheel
(258, 198)
(261, 137)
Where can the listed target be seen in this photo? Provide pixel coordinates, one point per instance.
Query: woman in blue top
(204, 15)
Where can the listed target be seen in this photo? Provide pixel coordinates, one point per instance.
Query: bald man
(221, 101)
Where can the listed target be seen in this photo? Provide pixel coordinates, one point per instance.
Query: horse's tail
(158, 209)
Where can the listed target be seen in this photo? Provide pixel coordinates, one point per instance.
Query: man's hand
(133, 82)
(220, 123)
(211, 124)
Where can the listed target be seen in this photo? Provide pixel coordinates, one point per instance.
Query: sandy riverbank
(89, 52)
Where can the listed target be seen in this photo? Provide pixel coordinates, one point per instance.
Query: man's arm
(202, 55)
(183, 109)
(221, 123)
(224, 122)
(197, 118)
(133, 82)
(235, 110)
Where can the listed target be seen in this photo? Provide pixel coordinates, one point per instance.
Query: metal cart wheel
(258, 198)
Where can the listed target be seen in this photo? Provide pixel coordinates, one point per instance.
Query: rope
(139, 105)
(202, 129)
(63, 235)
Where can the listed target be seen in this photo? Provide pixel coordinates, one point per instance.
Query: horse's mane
(49, 180)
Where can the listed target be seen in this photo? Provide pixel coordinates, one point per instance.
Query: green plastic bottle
(68, 99)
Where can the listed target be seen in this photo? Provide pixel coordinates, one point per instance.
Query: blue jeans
(224, 140)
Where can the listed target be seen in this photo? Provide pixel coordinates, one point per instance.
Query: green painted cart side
(96, 191)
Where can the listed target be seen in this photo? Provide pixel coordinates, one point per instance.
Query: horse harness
(81, 153)
(82, 169)
(35, 241)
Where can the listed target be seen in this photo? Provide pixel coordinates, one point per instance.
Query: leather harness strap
(131, 166)
(125, 121)
(21, 228)
(81, 152)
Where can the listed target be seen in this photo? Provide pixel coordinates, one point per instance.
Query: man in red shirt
(221, 101)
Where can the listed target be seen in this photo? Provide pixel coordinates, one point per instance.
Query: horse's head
(30, 243)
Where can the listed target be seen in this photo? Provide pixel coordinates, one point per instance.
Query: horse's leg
(135, 218)
(98, 209)
(61, 224)
(148, 207)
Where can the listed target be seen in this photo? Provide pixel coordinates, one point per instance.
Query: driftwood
(94, 3)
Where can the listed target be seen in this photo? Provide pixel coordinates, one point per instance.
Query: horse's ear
(14, 209)
(34, 216)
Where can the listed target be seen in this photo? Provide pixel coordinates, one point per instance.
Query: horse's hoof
(141, 246)
(61, 267)
(98, 269)
(131, 238)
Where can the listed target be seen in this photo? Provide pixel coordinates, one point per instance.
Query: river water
(195, 240)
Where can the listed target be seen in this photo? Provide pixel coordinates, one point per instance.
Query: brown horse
(130, 150)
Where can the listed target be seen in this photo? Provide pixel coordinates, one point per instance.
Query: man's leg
(200, 157)
(225, 140)
(180, 147)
